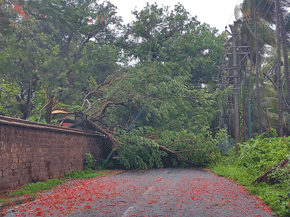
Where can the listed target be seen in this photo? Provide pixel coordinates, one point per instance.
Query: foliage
(258, 155)
(62, 45)
(200, 148)
(103, 164)
(161, 90)
(84, 174)
(138, 151)
(144, 148)
(255, 158)
(32, 188)
(76, 51)
(282, 178)
(69, 49)
(90, 162)
(36, 187)
(9, 105)
(165, 35)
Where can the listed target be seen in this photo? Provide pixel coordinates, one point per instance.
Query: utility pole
(229, 74)
(236, 87)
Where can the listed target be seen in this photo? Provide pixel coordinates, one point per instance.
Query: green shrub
(256, 157)
(90, 162)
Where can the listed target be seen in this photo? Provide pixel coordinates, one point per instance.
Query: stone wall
(31, 152)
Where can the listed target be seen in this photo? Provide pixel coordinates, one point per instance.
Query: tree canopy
(161, 69)
(165, 35)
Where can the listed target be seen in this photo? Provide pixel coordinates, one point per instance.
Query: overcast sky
(217, 13)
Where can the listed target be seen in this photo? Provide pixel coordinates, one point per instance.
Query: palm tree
(254, 31)
(257, 17)
(270, 92)
(279, 82)
(283, 10)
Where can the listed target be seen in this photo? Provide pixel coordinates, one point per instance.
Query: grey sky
(217, 13)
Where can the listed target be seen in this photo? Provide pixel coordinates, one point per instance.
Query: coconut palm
(253, 19)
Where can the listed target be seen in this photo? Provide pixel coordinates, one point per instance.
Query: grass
(270, 194)
(238, 174)
(32, 188)
(86, 174)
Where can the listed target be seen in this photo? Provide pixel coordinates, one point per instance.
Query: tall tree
(285, 47)
(254, 21)
(161, 34)
(279, 82)
(257, 67)
(62, 45)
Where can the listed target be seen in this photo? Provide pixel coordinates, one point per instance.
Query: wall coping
(49, 127)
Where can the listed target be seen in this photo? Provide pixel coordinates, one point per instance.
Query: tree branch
(184, 151)
(186, 140)
(109, 82)
(285, 102)
(178, 155)
(89, 107)
(41, 110)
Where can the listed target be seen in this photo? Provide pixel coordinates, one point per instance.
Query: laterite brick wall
(31, 152)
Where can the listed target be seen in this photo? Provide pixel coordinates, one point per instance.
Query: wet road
(157, 192)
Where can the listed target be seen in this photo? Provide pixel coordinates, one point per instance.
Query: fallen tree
(167, 119)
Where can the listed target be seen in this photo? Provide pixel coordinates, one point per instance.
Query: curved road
(156, 192)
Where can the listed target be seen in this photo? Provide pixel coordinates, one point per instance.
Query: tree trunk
(279, 82)
(250, 89)
(257, 71)
(236, 89)
(285, 51)
(245, 121)
(49, 109)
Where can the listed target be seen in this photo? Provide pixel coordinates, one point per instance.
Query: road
(156, 192)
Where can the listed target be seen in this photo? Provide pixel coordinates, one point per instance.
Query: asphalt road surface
(156, 192)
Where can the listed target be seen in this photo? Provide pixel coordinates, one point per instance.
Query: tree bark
(49, 109)
(257, 70)
(236, 89)
(250, 89)
(285, 50)
(279, 82)
(245, 124)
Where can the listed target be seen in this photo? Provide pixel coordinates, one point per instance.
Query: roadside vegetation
(32, 188)
(256, 157)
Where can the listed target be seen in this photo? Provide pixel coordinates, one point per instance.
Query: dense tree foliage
(164, 35)
(78, 55)
(61, 46)
(163, 63)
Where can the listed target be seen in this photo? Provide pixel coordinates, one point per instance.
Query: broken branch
(265, 178)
